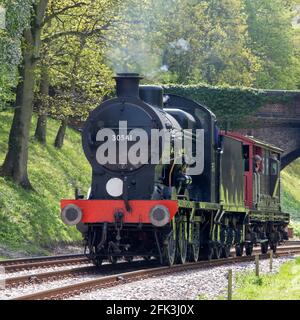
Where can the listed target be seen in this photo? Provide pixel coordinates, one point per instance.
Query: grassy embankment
(290, 178)
(30, 221)
(285, 285)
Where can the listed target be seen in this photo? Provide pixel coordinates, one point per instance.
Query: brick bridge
(279, 124)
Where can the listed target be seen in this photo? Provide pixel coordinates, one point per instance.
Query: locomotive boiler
(151, 196)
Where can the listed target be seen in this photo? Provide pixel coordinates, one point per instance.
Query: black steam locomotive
(222, 191)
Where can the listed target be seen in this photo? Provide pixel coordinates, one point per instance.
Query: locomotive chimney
(127, 84)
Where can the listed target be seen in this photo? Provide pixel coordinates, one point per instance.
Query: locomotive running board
(198, 205)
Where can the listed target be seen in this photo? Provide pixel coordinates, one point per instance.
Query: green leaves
(17, 17)
(73, 41)
(273, 40)
(233, 42)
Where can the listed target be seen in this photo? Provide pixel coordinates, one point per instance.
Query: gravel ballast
(189, 285)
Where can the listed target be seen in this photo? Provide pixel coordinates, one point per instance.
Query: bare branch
(76, 33)
(57, 13)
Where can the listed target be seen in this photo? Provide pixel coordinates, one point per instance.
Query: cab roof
(251, 140)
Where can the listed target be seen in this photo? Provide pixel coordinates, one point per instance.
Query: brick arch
(285, 136)
(289, 158)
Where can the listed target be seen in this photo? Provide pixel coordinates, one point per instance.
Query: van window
(246, 158)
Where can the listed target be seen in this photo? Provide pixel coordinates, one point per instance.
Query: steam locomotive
(221, 192)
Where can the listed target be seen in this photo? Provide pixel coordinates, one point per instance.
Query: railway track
(292, 243)
(24, 261)
(147, 272)
(74, 272)
(16, 265)
(42, 262)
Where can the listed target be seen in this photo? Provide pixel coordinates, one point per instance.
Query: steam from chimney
(138, 51)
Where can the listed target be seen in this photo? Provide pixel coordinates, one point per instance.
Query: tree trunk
(15, 163)
(41, 127)
(59, 140)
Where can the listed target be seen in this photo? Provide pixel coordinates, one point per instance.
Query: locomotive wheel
(225, 251)
(264, 247)
(169, 250)
(239, 249)
(249, 249)
(194, 247)
(182, 243)
(217, 251)
(273, 246)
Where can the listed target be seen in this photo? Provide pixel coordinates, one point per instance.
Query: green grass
(285, 285)
(31, 221)
(290, 177)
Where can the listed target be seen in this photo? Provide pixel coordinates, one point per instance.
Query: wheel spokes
(182, 243)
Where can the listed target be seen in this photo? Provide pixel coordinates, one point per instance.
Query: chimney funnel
(127, 84)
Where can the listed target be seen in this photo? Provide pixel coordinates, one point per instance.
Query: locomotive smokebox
(127, 84)
(152, 95)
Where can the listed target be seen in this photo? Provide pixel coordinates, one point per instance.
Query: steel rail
(45, 264)
(35, 278)
(8, 262)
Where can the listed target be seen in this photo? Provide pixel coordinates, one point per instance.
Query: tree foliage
(219, 42)
(17, 18)
(49, 21)
(73, 46)
(210, 44)
(186, 41)
(272, 39)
